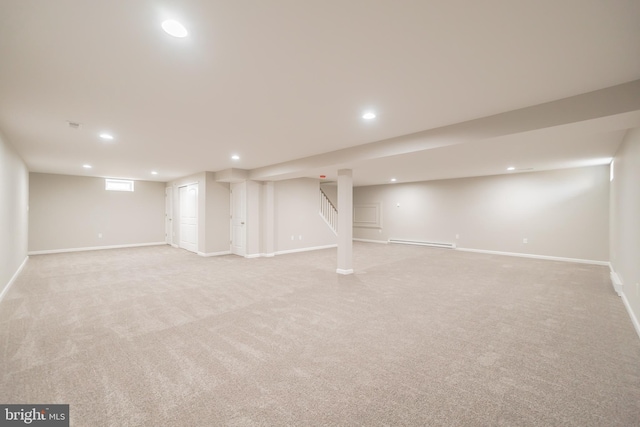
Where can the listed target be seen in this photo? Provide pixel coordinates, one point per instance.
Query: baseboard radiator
(423, 243)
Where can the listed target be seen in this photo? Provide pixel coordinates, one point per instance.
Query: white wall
(68, 212)
(562, 213)
(625, 221)
(254, 218)
(297, 213)
(14, 199)
(267, 218)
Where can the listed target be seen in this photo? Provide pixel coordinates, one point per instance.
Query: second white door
(189, 217)
(238, 218)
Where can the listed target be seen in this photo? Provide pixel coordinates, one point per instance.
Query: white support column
(345, 221)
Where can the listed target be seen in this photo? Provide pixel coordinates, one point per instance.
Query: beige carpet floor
(158, 336)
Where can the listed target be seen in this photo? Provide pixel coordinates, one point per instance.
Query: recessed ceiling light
(87, 166)
(369, 116)
(393, 180)
(106, 136)
(511, 168)
(154, 173)
(235, 157)
(174, 28)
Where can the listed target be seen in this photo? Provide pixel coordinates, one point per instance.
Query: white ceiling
(286, 82)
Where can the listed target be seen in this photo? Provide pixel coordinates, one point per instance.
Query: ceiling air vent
(74, 125)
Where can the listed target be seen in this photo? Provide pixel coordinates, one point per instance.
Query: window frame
(126, 185)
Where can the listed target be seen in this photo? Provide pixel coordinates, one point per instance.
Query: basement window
(118, 185)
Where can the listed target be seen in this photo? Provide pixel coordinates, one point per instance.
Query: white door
(189, 217)
(238, 218)
(168, 216)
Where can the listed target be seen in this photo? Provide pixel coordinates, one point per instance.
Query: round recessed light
(511, 168)
(87, 166)
(174, 28)
(369, 116)
(106, 136)
(393, 180)
(154, 173)
(235, 157)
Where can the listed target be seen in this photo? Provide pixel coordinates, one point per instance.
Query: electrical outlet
(99, 235)
(525, 240)
(293, 237)
(300, 237)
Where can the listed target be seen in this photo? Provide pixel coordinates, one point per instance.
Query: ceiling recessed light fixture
(106, 136)
(369, 116)
(154, 173)
(511, 168)
(393, 180)
(174, 28)
(87, 166)
(235, 157)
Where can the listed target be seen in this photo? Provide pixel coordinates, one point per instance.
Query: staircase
(328, 212)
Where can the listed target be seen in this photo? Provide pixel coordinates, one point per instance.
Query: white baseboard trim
(618, 285)
(250, 256)
(173, 245)
(386, 242)
(95, 248)
(344, 272)
(13, 278)
(269, 255)
(313, 248)
(423, 243)
(633, 317)
(550, 258)
(616, 282)
(208, 254)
